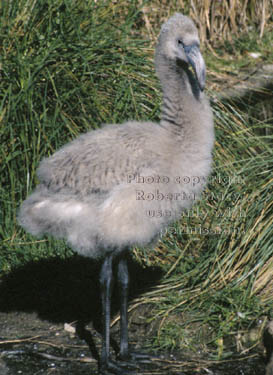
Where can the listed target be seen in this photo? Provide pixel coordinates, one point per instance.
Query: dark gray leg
(106, 282)
(130, 358)
(107, 366)
(123, 280)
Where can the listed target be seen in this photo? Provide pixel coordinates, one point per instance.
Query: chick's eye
(180, 43)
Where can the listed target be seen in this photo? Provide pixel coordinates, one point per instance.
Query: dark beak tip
(202, 80)
(202, 86)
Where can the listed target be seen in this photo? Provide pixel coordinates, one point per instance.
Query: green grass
(69, 66)
(233, 56)
(65, 68)
(223, 275)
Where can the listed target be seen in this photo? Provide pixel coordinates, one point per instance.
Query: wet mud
(50, 324)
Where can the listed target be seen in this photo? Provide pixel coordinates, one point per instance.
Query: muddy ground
(41, 303)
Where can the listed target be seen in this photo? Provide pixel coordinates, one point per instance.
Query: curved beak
(197, 62)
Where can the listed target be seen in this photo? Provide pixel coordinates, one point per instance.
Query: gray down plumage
(121, 185)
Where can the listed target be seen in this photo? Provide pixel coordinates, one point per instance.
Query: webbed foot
(118, 368)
